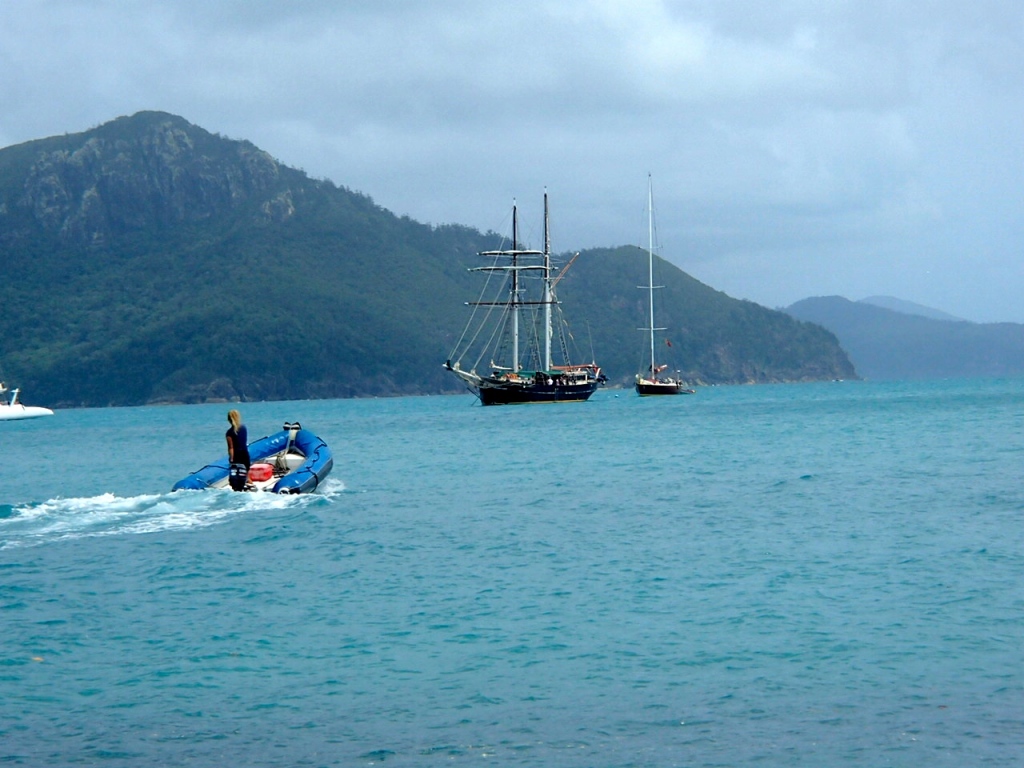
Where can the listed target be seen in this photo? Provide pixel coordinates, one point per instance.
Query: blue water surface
(798, 575)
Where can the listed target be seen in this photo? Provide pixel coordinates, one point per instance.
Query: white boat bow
(11, 410)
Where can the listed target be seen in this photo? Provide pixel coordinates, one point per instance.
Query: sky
(795, 148)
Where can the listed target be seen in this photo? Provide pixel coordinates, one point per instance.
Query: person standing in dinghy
(238, 451)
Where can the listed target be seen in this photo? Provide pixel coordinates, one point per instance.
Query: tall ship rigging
(505, 355)
(651, 381)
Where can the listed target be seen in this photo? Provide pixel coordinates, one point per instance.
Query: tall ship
(653, 381)
(505, 355)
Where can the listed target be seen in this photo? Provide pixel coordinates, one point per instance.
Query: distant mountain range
(148, 260)
(909, 308)
(891, 339)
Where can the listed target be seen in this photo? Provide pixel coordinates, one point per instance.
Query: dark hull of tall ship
(648, 388)
(517, 394)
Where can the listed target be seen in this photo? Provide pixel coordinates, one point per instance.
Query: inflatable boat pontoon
(291, 461)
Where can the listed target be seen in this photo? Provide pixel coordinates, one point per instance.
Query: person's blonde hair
(235, 418)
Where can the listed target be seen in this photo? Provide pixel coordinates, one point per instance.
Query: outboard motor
(238, 476)
(292, 430)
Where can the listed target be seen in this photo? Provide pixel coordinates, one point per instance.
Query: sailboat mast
(650, 265)
(515, 290)
(547, 287)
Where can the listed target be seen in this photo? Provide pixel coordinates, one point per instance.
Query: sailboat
(650, 382)
(12, 409)
(517, 323)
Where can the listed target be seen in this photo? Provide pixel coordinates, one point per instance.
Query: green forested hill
(148, 260)
(715, 339)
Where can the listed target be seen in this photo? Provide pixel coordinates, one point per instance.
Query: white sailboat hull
(13, 410)
(18, 411)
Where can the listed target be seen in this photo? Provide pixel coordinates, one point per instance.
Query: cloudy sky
(797, 147)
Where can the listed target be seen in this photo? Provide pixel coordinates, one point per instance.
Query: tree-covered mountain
(887, 344)
(148, 260)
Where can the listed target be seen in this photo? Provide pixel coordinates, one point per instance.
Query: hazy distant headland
(887, 338)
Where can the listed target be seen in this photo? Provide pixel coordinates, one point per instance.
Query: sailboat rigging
(518, 325)
(650, 382)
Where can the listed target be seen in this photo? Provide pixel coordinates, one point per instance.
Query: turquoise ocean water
(801, 575)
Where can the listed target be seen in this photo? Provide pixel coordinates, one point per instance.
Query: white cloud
(797, 147)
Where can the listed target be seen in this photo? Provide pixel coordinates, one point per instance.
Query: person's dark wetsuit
(239, 457)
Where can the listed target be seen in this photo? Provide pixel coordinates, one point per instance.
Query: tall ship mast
(651, 382)
(505, 355)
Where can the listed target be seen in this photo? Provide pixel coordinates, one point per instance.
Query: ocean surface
(794, 575)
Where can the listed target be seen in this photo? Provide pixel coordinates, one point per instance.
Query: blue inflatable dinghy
(291, 461)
